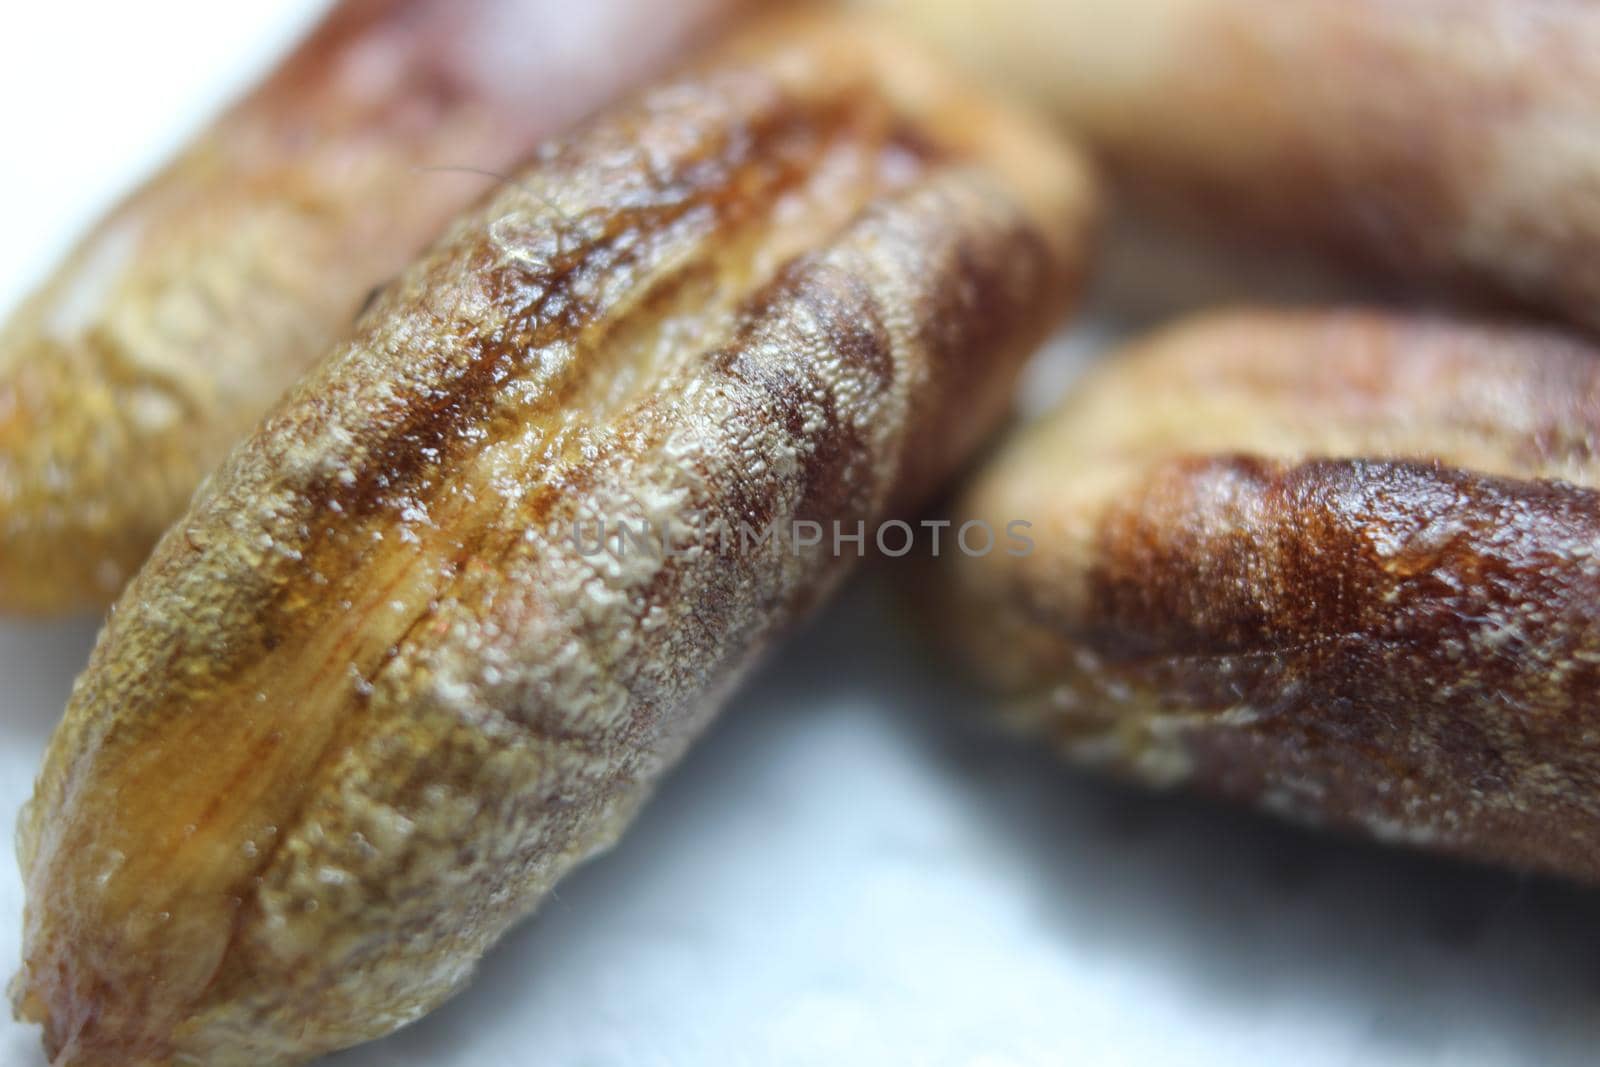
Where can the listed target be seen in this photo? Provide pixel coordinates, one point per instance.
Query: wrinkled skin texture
(187, 311)
(370, 698)
(1342, 565)
(1451, 142)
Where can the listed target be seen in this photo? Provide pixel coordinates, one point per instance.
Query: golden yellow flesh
(368, 700)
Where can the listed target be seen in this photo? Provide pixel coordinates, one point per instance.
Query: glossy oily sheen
(370, 699)
(185, 313)
(1341, 565)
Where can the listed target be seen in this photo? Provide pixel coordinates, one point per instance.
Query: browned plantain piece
(1343, 565)
(1451, 141)
(372, 695)
(187, 311)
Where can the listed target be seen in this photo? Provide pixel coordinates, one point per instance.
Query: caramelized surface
(1343, 565)
(184, 315)
(369, 700)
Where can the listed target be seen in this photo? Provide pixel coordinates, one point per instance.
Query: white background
(851, 869)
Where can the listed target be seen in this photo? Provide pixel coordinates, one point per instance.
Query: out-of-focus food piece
(189, 309)
(1152, 268)
(1446, 141)
(1345, 566)
(391, 677)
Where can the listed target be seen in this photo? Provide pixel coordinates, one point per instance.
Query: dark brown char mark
(188, 310)
(1345, 566)
(1413, 650)
(793, 281)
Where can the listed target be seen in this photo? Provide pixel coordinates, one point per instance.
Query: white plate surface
(851, 869)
